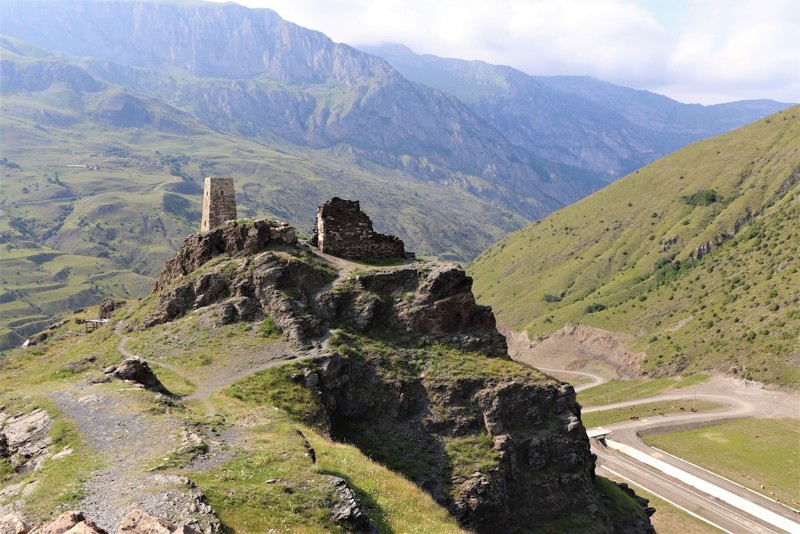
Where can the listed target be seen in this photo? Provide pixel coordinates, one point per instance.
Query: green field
(653, 409)
(616, 391)
(752, 452)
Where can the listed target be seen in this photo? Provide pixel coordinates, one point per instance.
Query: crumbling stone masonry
(343, 230)
(219, 203)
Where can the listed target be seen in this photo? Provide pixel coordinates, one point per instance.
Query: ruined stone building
(343, 230)
(219, 203)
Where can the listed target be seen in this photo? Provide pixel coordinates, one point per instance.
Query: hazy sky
(705, 51)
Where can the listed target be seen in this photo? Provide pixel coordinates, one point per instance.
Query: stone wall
(219, 203)
(343, 230)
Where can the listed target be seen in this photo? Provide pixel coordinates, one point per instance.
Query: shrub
(269, 329)
(596, 307)
(705, 197)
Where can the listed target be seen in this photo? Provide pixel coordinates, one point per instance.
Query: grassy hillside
(695, 255)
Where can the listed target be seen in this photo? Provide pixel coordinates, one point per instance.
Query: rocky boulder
(13, 524)
(347, 509)
(536, 466)
(107, 307)
(72, 522)
(138, 371)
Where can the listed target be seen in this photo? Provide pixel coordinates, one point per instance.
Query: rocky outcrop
(402, 379)
(292, 287)
(277, 285)
(138, 371)
(74, 522)
(13, 524)
(234, 239)
(108, 306)
(536, 465)
(347, 508)
(343, 230)
(25, 439)
(431, 300)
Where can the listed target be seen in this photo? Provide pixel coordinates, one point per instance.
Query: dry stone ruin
(219, 203)
(343, 230)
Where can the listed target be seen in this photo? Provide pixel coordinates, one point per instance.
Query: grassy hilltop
(695, 255)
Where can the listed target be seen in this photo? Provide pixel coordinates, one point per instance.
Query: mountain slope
(283, 385)
(600, 127)
(694, 255)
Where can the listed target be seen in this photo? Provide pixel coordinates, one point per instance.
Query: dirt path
(126, 439)
(131, 435)
(594, 380)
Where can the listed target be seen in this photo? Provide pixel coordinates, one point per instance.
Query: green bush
(269, 329)
(705, 197)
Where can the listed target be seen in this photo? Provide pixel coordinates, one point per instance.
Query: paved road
(711, 509)
(741, 399)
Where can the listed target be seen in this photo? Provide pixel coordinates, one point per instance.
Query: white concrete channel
(715, 491)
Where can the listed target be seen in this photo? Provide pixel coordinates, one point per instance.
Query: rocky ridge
(398, 361)
(384, 380)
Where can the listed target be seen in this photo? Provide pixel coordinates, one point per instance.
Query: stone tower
(219, 203)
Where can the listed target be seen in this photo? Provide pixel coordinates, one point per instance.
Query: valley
(626, 322)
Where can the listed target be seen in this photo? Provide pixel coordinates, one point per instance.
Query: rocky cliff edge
(406, 366)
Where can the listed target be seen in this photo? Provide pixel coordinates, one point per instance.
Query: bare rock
(348, 508)
(139, 522)
(234, 239)
(86, 527)
(107, 307)
(13, 524)
(27, 440)
(137, 370)
(66, 522)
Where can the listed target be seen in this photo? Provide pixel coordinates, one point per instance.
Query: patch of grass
(268, 329)
(706, 197)
(175, 384)
(281, 387)
(625, 390)
(617, 503)
(399, 504)
(271, 487)
(471, 454)
(653, 409)
(59, 483)
(752, 452)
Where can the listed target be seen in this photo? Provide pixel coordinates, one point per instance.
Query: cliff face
(407, 367)
(502, 450)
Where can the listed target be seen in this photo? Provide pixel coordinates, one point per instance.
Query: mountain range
(113, 112)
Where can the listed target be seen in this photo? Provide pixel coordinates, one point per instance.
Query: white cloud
(692, 50)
